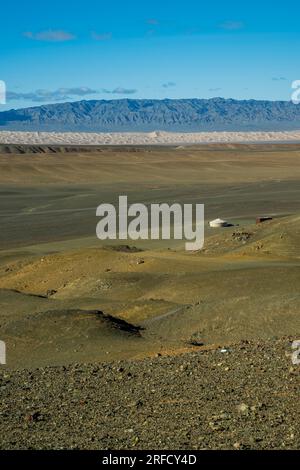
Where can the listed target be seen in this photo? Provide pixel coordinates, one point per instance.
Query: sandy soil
(144, 138)
(71, 307)
(54, 273)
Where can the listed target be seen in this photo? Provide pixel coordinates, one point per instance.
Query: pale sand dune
(144, 138)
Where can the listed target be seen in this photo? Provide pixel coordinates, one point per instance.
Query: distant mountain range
(149, 115)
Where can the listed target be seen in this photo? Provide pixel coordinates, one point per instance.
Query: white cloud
(232, 25)
(46, 96)
(50, 36)
(120, 91)
(153, 21)
(169, 84)
(279, 79)
(101, 36)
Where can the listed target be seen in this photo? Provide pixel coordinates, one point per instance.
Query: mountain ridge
(125, 115)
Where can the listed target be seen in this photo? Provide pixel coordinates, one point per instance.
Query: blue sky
(65, 51)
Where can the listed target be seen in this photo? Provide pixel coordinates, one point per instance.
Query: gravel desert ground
(245, 398)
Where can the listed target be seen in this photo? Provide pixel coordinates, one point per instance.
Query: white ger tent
(218, 223)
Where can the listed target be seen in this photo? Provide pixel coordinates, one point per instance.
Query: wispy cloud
(50, 36)
(152, 24)
(151, 32)
(214, 89)
(152, 21)
(101, 36)
(232, 25)
(64, 94)
(46, 96)
(120, 91)
(168, 84)
(279, 79)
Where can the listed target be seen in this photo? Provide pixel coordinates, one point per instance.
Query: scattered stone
(35, 416)
(243, 408)
(241, 236)
(237, 445)
(196, 339)
(51, 292)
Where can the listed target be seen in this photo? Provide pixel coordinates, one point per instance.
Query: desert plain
(144, 344)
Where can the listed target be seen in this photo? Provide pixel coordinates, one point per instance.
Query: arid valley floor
(145, 345)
